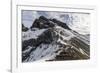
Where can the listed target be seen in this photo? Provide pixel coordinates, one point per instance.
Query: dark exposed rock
(26, 55)
(42, 22)
(35, 24)
(43, 18)
(30, 42)
(59, 23)
(80, 44)
(46, 37)
(24, 29)
(69, 54)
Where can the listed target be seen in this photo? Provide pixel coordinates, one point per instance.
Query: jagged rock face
(47, 37)
(24, 29)
(42, 22)
(52, 40)
(59, 23)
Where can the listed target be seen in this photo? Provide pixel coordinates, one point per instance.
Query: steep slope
(53, 40)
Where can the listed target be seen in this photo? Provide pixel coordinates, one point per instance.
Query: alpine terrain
(53, 40)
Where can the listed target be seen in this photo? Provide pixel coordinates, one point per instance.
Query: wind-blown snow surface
(79, 22)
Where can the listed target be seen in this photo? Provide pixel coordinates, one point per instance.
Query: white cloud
(81, 23)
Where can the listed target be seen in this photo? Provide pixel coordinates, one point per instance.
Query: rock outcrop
(24, 29)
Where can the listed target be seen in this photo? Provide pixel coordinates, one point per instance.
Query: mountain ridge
(52, 40)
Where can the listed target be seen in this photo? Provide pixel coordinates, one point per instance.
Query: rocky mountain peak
(52, 40)
(44, 22)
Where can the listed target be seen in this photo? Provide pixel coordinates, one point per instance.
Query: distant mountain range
(53, 40)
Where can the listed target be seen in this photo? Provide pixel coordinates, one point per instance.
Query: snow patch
(32, 34)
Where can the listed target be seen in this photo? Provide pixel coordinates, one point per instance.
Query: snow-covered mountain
(53, 40)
